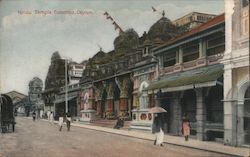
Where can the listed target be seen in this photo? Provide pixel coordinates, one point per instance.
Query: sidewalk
(175, 140)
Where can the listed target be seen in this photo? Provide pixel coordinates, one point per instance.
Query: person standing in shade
(34, 115)
(68, 119)
(158, 129)
(41, 114)
(61, 119)
(185, 127)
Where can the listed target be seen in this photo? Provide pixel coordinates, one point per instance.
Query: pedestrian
(48, 115)
(61, 120)
(51, 118)
(185, 127)
(158, 129)
(68, 120)
(34, 115)
(41, 114)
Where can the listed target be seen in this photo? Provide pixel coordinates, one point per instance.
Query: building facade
(236, 74)
(190, 79)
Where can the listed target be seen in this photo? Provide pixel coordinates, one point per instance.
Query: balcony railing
(209, 60)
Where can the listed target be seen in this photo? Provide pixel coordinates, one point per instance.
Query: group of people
(35, 115)
(64, 118)
(158, 128)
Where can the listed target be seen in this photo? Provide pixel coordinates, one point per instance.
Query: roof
(15, 93)
(16, 96)
(192, 13)
(211, 23)
(192, 78)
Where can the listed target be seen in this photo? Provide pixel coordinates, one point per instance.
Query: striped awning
(197, 78)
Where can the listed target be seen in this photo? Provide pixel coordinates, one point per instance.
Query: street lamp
(66, 83)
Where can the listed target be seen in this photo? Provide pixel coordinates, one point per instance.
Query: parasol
(157, 109)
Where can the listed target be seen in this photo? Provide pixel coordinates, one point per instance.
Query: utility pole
(66, 86)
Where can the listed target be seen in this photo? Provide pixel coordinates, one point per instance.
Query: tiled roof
(213, 22)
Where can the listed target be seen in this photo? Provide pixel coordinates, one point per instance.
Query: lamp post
(1, 112)
(66, 83)
(66, 86)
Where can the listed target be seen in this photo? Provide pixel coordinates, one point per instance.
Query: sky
(27, 41)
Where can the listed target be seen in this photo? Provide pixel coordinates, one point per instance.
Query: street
(42, 139)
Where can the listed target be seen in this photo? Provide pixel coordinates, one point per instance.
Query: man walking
(68, 119)
(34, 115)
(61, 119)
(51, 118)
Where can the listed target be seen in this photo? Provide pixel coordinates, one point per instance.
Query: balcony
(201, 62)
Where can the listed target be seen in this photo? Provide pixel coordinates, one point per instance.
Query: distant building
(193, 19)
(75, 72)
(19, 101)
(54, 80)
(16, 96)
(35, 94)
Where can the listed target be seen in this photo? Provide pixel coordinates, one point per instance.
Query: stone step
(109, 123)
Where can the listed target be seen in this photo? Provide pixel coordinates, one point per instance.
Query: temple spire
(163, 13)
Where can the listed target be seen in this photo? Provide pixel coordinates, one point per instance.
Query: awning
(197, 78)
(57, 101)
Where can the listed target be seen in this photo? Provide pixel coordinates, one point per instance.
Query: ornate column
(124, 98)
(99, 107)
(110, 101)
(98, 94)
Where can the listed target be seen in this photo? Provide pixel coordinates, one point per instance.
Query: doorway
(247, 116)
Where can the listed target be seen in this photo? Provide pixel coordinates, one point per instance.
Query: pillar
(91, 104)
(176, 125)
(110, 105)
(179, 60)
(180, 55)
(200, 115)
(202, 48)
(202, 53)
(229, 108)
(123, 106)
(78, 103)
(99, 107)
(240, 124)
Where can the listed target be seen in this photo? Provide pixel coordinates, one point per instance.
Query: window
(191, 51)
(215, 44)
(245, 3)
(145, 51)
(78, 67)
(169, 58)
